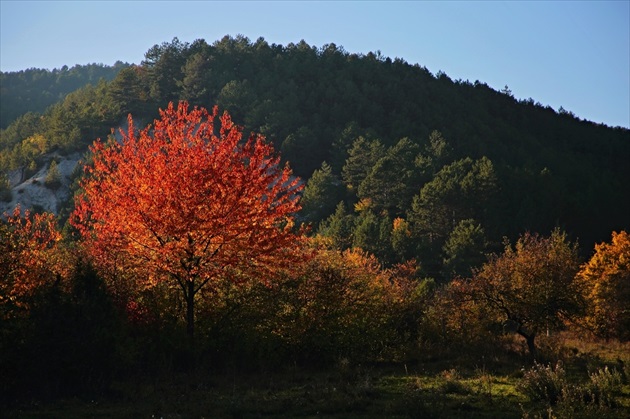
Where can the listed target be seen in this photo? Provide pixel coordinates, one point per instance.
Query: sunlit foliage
(178, 203)
(531, 286)
(607, 280)
(29, 257)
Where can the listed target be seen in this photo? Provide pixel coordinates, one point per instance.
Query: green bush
(5, 189)
(53, 177)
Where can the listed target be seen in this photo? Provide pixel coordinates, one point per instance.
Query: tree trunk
(190, 313)
(531, 345)
(530, 339)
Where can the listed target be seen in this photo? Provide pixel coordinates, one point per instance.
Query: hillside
(34, 89)
(405, 143)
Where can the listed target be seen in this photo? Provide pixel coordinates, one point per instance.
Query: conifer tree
(53, 177)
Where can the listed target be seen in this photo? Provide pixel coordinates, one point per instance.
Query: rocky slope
(32, 192)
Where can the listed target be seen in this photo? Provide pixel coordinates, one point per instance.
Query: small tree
(532, 286)
(464, 249)
(53, 177)
(339, 227)
(5, 189)
(181, 204)
(322, 193)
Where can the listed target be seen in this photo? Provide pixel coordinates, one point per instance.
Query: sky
(574, 55)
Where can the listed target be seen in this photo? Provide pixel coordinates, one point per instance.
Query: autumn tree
(346, 304)
(189, 203)
(28, 244)
(532, 285)
(607, 280)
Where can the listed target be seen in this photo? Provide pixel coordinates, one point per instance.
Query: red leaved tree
(188, 201)
(28, 257)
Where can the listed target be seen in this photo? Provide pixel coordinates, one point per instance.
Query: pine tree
(321, 194)
(53, 177)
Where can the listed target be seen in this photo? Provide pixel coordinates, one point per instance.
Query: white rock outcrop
(33, 192)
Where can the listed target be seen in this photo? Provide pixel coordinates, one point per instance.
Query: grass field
(435, 387)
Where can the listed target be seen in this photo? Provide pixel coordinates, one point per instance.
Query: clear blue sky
(560, 53)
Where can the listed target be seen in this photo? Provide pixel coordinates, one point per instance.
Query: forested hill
(453, 161)
(35, 89)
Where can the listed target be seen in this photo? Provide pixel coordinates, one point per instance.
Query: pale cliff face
(32, 192)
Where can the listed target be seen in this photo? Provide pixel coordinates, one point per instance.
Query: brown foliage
(531, 286)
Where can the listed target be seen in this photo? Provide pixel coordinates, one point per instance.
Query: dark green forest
(435, 213)
(34, 89)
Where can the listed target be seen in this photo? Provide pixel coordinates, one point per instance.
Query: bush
(53, 177)
(543, 383)
(6, 195)
(603, 387)
(595, 398)
(450, 382)
(66, 346)
(5, 189)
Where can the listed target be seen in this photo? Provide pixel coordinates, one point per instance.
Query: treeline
(35, 89)
(70, 329)
(415, 164)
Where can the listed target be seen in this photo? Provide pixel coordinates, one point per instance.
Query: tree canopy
(532, 286)
(187, 201)
(606, 277)
(404, 142)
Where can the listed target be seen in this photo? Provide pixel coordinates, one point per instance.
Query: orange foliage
(28, 256)
(607, 280)
(178, 203)
(400, 224)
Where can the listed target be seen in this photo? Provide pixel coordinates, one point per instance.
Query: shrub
(5, 189)
(595, 398)
(604, 385)
(6, 195)
(542, 382)
(450, 382)
(53, 177)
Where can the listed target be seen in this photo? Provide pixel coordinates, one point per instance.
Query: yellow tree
(532, 285)
(607, 279)
(188, 202)
(345, 303)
